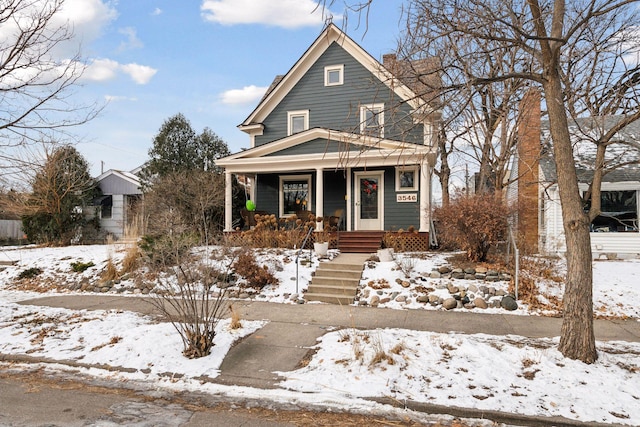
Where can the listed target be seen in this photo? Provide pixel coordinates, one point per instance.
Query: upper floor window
(372, 120)
(297, 121)
(333, 75)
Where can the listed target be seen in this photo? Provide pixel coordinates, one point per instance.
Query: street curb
(495, 416)
(425, 408)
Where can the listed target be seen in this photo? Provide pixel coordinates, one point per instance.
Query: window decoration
(297, 121)
(372, 120)
(333, 75)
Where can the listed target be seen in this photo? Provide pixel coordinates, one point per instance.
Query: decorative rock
(384, 300)
(457, 270)
(375, 300)
(468, 276)
(494, 303)
(470, 271)
(458, 275)
(444, 269)
(449, 303)
(405, 284)
(472, 288)
(480, 303)
(480, 276)
(435, 274)
(401, 298)
(481, 270)
(500, 292)
(508, 302)
(452, 289)
(433, 298)
(424, 298)
(459, 304)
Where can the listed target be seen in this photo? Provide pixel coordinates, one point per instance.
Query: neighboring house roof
(281, 87)
(624, 150)
(119, 182)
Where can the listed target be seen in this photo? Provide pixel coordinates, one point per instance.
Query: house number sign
(410, 197)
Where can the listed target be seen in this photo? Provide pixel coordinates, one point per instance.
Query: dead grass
(236, 323)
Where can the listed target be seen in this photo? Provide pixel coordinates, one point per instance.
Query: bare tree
(35, 83)
(549, 39)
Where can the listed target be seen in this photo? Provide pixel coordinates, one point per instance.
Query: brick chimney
(529, 149)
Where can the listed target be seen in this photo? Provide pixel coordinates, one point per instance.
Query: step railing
(304, 244)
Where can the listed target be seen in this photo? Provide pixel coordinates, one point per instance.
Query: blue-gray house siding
(337, 107)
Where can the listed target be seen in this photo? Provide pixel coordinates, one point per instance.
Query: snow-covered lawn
(512, 373)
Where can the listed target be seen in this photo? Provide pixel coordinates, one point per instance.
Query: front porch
(345, 241)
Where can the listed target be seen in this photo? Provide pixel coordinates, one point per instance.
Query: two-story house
(341, 132)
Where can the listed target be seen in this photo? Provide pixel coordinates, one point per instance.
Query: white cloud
(157, 11)
(278, 13)
(133, 42)
(101, 70)
(246, 95)
(116, 98)
(141, 74)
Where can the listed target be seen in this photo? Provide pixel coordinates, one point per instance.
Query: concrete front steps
(337, 281)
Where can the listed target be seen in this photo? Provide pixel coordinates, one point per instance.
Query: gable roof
(280, 87)
(358, 150)
(625, 149)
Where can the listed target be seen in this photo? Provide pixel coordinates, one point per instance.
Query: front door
(368, 201)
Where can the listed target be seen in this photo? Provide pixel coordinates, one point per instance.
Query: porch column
(425, 196)
(319, 192)
(349, 202)
(228, 202)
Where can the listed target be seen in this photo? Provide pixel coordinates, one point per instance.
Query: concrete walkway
(293, 328)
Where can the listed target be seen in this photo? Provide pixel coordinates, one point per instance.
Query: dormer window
(372, 120)
(333, 75)
(298, 121)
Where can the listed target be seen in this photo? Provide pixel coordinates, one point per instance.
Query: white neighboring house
(615, 233)
(121, 195)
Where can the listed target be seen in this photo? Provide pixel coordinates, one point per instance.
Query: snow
(512, 374)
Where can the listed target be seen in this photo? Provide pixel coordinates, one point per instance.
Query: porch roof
(359, 151)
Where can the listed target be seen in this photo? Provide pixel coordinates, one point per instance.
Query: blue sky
(210, 60)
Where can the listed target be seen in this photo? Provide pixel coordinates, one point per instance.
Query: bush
(80, 266)
(257, 277)
(29, 273)
(472, 224)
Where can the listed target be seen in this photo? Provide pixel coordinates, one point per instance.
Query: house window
(297, 121)
(295, 194)
(106, 207)
(407, 178)
(333, 75)
(619, 211)
(372, 120)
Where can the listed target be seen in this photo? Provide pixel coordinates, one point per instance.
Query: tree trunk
(577, 338)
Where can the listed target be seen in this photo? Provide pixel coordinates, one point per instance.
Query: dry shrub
(131, 260)
(472, 223)
(110, 271)
(532, 271)
(257, 277)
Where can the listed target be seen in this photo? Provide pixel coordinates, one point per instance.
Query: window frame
(106, 207)
(402, 169)
(364, 108)
(284, 178)
(603, 214)
(330, 68)
(297, 113)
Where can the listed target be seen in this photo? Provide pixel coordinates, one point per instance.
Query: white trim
(282, 179)
(298, 113)
(399, 170)
(328, 69)
(378, 110)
